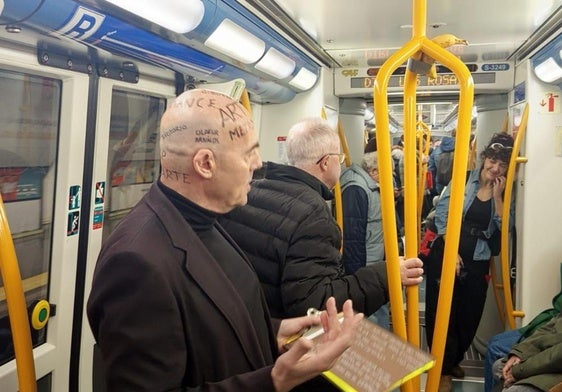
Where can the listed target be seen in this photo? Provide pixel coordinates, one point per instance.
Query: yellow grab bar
(472, 157)
(344, 145)
(424, 133)
(338, 213)
(17, 309)
(417, 43)
(515, 159)
(497, 286)
(245, 101)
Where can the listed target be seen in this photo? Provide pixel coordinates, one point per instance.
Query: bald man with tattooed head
(175, 305)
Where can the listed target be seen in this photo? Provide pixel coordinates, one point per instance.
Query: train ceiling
(364, 33)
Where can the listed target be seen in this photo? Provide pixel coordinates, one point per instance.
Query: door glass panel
(29, 125)
(133, 156)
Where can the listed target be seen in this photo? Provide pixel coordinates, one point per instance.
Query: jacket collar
(275, 171)
(347, 175)
(208, 274)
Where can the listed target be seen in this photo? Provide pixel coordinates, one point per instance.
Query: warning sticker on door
(98, 218)
(73, 223)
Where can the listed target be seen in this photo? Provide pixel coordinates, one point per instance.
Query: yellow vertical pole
(344, 146)
(411, 210)
(497, 287)
(337, 188)
(17, 308)
(420, 43)
(504, 254)
(472, 157)
(466, 100)
(411, 226)
(245, 101)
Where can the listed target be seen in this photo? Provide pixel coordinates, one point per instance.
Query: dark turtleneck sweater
(234, 265)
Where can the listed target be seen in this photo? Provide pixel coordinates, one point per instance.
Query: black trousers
(469, 297)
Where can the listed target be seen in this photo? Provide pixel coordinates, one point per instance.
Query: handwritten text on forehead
(228, 112)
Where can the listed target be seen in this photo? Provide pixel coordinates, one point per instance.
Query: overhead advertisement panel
(487, 77)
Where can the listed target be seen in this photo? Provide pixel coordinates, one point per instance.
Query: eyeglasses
(499, 146)
(341, 157)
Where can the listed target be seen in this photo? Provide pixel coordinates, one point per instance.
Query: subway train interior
(84, 84)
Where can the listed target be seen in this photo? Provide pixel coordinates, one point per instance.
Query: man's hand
(459, 266)
(306, 359)
(507, 374)
(411, 271)
(291, 328)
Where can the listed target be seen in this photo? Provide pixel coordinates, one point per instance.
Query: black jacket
(163, 310)
(288, 232)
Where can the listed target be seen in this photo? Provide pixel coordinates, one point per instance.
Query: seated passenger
(501, 344)
(535, 364)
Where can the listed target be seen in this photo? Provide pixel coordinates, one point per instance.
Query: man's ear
(204, 163)
(324, 164)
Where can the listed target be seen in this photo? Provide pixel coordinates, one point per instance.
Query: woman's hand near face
(498, 186)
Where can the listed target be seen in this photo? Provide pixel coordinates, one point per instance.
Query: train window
(133, 156)
(29, 126)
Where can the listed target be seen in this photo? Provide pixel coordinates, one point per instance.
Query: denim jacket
(482, 251)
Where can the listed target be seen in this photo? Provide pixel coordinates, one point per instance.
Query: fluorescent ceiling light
(234, 41)
(276, 64)
(181, 16)
(548, 71)
(304, 79)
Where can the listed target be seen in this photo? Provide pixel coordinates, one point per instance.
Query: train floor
(473, 363)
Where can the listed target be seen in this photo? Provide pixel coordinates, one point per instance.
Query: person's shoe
(445, 383)
(457, 372)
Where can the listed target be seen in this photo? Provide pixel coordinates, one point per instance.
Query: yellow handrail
(420, 42)
(344, 145)
(338, 213)
(245, 101)
(472, 157)
(497, 286)
(424, 133)
(17, 309)
(515, 159)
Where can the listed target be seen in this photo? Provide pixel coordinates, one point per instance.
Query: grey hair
(309, 140)
(370, 161)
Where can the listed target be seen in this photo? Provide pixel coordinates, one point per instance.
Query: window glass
(133, 156)
(29, 128)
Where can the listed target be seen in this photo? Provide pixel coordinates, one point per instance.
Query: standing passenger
(175, 305)
(481, 217)
(363, 240)
(288, 231)
(440, 168)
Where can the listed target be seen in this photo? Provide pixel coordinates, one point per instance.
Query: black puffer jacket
(291, 238)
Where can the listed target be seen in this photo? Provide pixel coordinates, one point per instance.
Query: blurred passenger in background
(440, 165)
(363, 240)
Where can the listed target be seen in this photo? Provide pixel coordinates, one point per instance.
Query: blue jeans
(382, 316)
(498, 347)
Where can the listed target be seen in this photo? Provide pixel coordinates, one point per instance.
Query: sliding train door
(126, 163)
(42, 122)
(77, 151)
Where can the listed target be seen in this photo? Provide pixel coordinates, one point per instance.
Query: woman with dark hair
(481, 218)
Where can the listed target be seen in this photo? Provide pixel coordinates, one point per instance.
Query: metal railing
(420, 42)
(17, 309)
